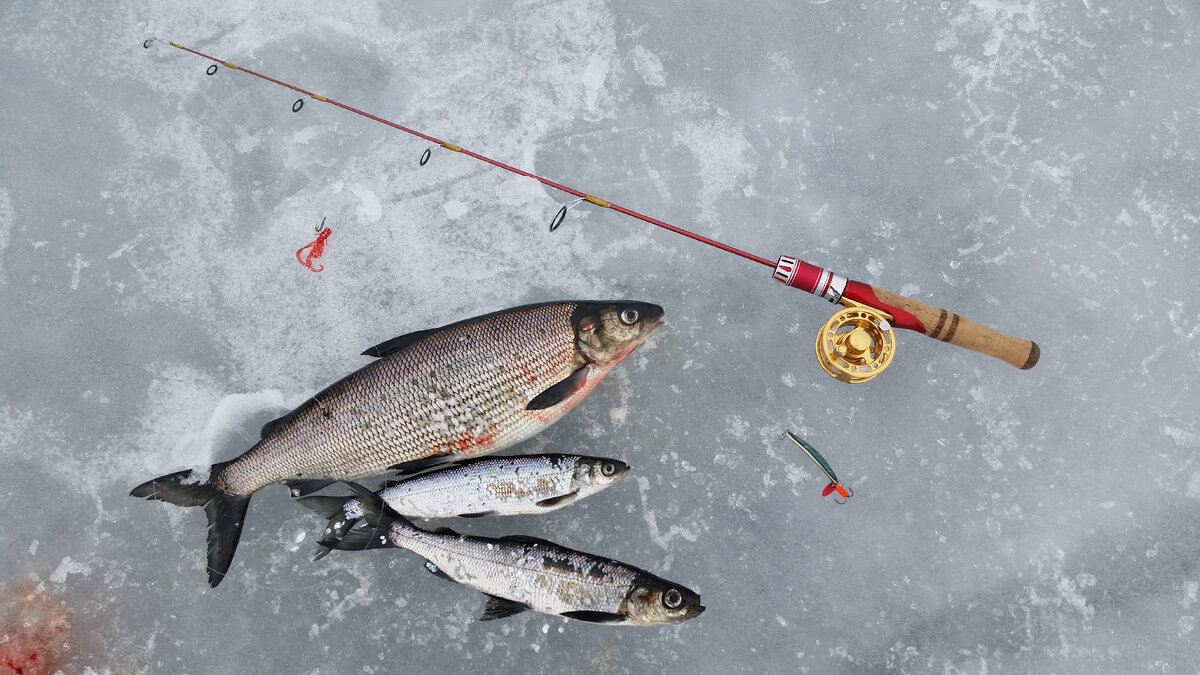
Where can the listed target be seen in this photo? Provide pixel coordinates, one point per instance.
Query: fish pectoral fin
(398, 344)
(419, 465)
(526, 539)
(321, 552)
(481, 514)
(595, 617)
(437, 572)
(560, 391)
(301, 487)
(560, 500)
(498, 608)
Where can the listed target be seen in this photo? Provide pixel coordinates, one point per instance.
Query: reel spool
(856, 343)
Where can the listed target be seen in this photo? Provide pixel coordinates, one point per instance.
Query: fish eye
(629, 316)
(608, 468)
(672, 599)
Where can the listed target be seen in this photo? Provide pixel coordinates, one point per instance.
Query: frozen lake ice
(1032, 166)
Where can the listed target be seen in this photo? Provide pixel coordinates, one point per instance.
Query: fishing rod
(854, 345)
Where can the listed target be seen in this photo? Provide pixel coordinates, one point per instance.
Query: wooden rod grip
(947, 326)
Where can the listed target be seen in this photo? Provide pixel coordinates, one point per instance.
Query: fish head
(597, 473)
(607, 332)
(654, 601)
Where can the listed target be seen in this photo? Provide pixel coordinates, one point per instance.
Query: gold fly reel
(856, 343)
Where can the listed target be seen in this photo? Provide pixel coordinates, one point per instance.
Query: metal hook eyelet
(559, 217)
(426, 155)
(298, 105)
(212, 70)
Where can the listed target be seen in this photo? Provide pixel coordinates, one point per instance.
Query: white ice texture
(1030, 165)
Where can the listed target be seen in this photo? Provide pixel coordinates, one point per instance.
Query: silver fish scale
(507, 485)
(461, 390)
(545, 576)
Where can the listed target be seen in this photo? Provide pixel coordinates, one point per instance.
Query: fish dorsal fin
(526, 539)
(560, 391)
(595, 617)
(399, 344)
(402, 342)
(498, 608)
(561, 500)
(273, 426)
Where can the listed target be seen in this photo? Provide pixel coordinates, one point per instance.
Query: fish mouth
(652, 317)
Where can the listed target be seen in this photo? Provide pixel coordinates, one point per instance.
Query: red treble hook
(314, 249)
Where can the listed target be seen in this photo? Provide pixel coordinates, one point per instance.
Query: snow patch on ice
(7, 216)
(455, 209)
(648, 65)
(1193, 486)
(663, 540)
(303, 136)
(246, 141)
(370, 208)
(593, 79)
(181, 396)
(519, 190)
(726, 158)
(68, 567)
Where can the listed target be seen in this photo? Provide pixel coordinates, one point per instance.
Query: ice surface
(1032, 166)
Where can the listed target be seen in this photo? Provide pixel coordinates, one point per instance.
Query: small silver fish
(491, 486)
(435, 396)
(525, 573)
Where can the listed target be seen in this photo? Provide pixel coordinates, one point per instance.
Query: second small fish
(521, 573)
(492, 486)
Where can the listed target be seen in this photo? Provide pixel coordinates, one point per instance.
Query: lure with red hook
(315, 250)
(853, 347)
(835, 485)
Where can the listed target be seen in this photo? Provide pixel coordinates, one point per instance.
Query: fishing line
(855, 345)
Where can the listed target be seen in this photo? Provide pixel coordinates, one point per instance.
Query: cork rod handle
(949, 327)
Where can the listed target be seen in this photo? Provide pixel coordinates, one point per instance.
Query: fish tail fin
(225, 512)
(333, 508)
(378, 518)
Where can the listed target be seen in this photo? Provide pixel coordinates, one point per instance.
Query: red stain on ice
(33, 630)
